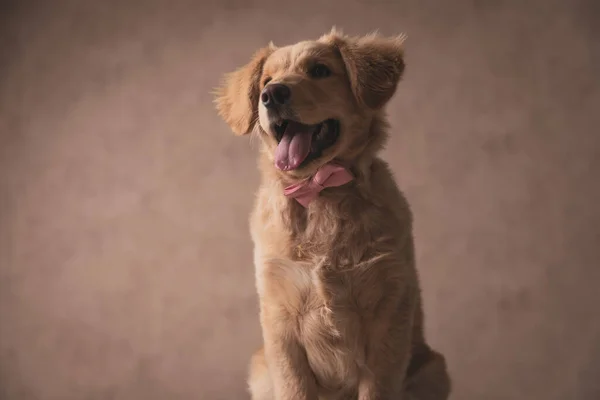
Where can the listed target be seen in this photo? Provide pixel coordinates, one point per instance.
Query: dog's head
(314, 101)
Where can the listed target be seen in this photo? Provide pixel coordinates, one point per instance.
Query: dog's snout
(275, 94)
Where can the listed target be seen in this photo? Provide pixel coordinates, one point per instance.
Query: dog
(340, 304)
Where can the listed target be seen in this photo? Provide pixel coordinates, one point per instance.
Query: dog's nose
(275, 94)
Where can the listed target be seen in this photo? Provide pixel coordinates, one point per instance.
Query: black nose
(275, 94)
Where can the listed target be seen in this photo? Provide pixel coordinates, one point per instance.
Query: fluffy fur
(340, 304)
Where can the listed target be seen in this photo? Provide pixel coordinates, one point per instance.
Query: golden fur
(340, 305)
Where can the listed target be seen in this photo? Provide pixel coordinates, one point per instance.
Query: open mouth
(301, 143)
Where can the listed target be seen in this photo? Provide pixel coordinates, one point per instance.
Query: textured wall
(125, 258)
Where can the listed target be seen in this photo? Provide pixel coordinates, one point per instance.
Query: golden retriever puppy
(340, 305)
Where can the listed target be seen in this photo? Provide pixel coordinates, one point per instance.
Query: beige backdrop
(125, 256)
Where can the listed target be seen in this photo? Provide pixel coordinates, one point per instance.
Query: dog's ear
(374, 65)
(237, 97)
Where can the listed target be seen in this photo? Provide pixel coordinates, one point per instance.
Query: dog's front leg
(286, 359)
(281, 296)
(383, 379)
(387, 356)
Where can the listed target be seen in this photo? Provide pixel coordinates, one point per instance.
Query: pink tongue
(294, 146)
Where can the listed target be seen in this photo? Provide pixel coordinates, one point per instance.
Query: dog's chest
(288, 277)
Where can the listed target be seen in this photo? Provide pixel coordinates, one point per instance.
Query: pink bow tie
(329, 175)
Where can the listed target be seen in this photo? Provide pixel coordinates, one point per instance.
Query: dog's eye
(319, 71)
(266, 80)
